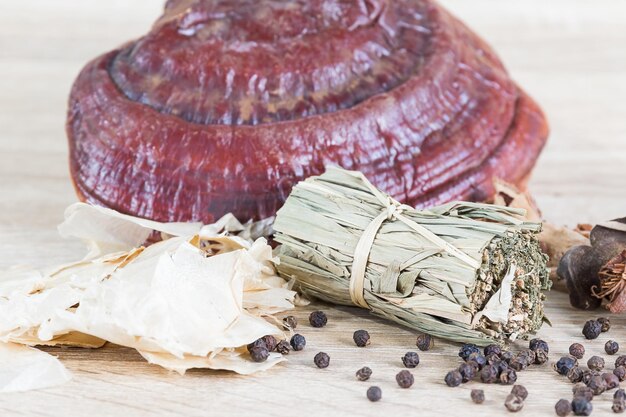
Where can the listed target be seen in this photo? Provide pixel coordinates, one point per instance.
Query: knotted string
(392, 211)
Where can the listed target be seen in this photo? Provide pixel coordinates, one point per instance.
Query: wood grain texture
(568, 54)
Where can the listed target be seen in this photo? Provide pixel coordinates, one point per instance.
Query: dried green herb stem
(410, 277)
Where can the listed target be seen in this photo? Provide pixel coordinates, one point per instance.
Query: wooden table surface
(569, 54)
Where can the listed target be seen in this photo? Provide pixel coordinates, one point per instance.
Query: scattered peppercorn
(595, 363)
(508, 377)
(424, 342)
(577, 350)
(597, 384)
(618, 405)
(364, 373)
(492, 349)
(270, 342)
(478, 358)
(611, 347)
(562, 407)
(361, 338)
(520, 391)
(259, 353)
(493, 358)
(478, 396)
(535, 344)
(581, 407)
(257, 343)
(620, 373)
(411, 359)
(290, 323)
(298, 342)
(564, 365)
(620, 393)
(620, 361)
(541, 356)
(506, 356)
(611, 380)
(468, 371)
(528, 356)
(605, 323)
(592, 329)
(374, 394)
(489, 374)
(473, 365)
(501, 367)
(587, 375)
(517, 365)
(283, 347)
(322, 360)
(575, 374)
(405, 379)
(318, 319)
(513, 403)
(453, 378)
(467, 349)
(582, 391)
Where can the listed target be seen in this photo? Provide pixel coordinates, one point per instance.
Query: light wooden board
(569, 54)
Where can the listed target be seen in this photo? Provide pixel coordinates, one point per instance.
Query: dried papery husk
(408, 278)
(613, 283)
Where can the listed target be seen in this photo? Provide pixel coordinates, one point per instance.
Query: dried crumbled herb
(364, 373)
(424, 342)
(361, 338)
(374, 394)
(318, 319)
(467, 349)
(489, 374)
(565, 364)
(520, 391)
(581, 407)
(595, 363)
(411, 359)
(297, 342)
(535, 344)
(508, 377)
(468, 372)
(575, 374)
(592, 329)
(283, 347)
(620, 373)
(322, 360)
(577, 350)
(478, 396)
(259, 353)
(270, 342)
(492, 349)
(611, 347)
(405, 379)
(562, 407)
(605, 323)
(453, 378)
(290, 323)
(611, 380)
(513, 403)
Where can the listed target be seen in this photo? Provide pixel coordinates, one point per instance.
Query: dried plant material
(508, 195)
(23, 368)
(190, 300)
(613, 283)
(464, 271)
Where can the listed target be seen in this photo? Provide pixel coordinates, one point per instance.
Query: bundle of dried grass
(465, 272)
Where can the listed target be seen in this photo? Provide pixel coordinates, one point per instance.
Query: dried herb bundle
(463, 271)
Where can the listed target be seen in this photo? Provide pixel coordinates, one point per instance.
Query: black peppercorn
(492, 349)
(575, 374)
(611, 380)
(453, 378)
(405, 379)
(506, 356)
(270, 342)
(587, 375)
(283, 347)
(605, 323)
(582, 391)
(297, 342)
(597, 384)
(620, 361)
(562, 407)
(564, 365)
(517, 365)
(473, 365)
(259, 353)
(361, 338)
(257, 343)
(620, 393)
(411, 359)
(592, 329)
(618, 405)
(290, 322)
(611, 347)
(318, 319)
(541, 356)
(513, 403)
(467, 349)
(478, 396)
(322, 360)
(493, 358)
(502, 367)
(535, 344)
(374, 394)
(364, 373)
(508, 377)
(520, 391)
(581, 407)
(620, 373)
(468, 371)
(478, 358)
(528, 356)
(595, 363)
(489, 374)
(424, 342)
(577, 350)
